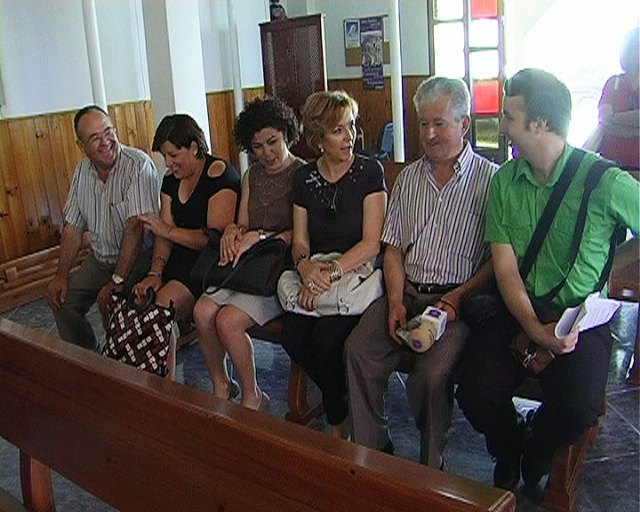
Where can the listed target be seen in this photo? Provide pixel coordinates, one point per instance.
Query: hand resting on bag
(315, 275)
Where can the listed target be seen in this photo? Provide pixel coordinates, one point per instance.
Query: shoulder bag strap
(596, 171)
(530, 255)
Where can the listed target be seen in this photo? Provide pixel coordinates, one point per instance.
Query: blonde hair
(322, 111)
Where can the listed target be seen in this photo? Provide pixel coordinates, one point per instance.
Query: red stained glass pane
(486, 97)
(484, 8)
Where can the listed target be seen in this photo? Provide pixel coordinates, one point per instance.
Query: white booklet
(592, 312)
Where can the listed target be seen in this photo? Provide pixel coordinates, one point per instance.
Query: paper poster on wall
(352, 33)
(371, 41)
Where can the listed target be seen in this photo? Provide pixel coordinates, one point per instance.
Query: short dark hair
(264, 113)
(84, 111)
(181, 130)
(545, 97)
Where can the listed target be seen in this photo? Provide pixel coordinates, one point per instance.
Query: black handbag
(139, 335)
(482, 307)
(256, 273)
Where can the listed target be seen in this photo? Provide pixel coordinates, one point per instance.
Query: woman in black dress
(199, 190)
(339, 206)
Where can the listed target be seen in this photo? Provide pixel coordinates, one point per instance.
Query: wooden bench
(26, 278)
(139, 442)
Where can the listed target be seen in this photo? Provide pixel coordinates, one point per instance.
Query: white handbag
(351, 295)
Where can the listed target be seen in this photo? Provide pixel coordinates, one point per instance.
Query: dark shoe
(506, 473)
(535, 465)
(388, 448)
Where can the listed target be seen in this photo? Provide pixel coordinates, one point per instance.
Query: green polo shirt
(516, 203)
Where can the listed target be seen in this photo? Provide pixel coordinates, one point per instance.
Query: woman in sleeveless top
(265, 129)
(199, 190)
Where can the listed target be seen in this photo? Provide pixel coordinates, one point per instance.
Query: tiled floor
(610, 479)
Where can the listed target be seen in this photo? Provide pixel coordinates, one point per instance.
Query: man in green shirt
(536, 115)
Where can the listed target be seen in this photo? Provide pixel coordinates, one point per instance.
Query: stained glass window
(484, 64)
(486, 97)
(449, 40)
(487, 132)
(484, 8)
(483, 33)
(447, 10)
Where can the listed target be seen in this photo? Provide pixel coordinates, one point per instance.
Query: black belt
(432, 287)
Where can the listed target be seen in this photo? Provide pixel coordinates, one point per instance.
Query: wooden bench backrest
(139, 442)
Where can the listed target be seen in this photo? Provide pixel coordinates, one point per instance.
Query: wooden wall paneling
(144, 123)
(47, 169)
(31, 192)
(13, 217)
(135, 137)
(220, 107)
(250, 94)
(64, 153)
(119, 122)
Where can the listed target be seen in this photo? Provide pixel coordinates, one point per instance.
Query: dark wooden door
(293, 62)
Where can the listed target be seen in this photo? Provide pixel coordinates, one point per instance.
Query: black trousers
(317, 345)
(573, 387)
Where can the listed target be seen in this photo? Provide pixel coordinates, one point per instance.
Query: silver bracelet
(336, 271)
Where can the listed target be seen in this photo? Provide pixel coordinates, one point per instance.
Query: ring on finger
(311, 286)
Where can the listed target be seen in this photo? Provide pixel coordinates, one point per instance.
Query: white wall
(50, 37)
(214, 27)
(122, 44)
(44, 61)
(45, 64)
(413, 32)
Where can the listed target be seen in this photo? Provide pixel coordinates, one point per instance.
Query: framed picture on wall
(352, 33)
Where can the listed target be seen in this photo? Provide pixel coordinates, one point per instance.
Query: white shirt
(103, 208)
(440, 231)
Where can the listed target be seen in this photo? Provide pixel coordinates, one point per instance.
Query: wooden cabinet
(293, 61)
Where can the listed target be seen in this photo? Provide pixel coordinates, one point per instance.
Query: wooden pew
(139, 442)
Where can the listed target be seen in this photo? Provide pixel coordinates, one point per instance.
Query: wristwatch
(116, 279)
(262, 235)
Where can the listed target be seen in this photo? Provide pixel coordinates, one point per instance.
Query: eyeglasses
(97, 138)
(331, 212)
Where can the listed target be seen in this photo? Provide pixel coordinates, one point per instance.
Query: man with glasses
(434, 257)
(110, 189)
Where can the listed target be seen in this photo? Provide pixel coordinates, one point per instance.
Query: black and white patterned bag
(139, 335)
